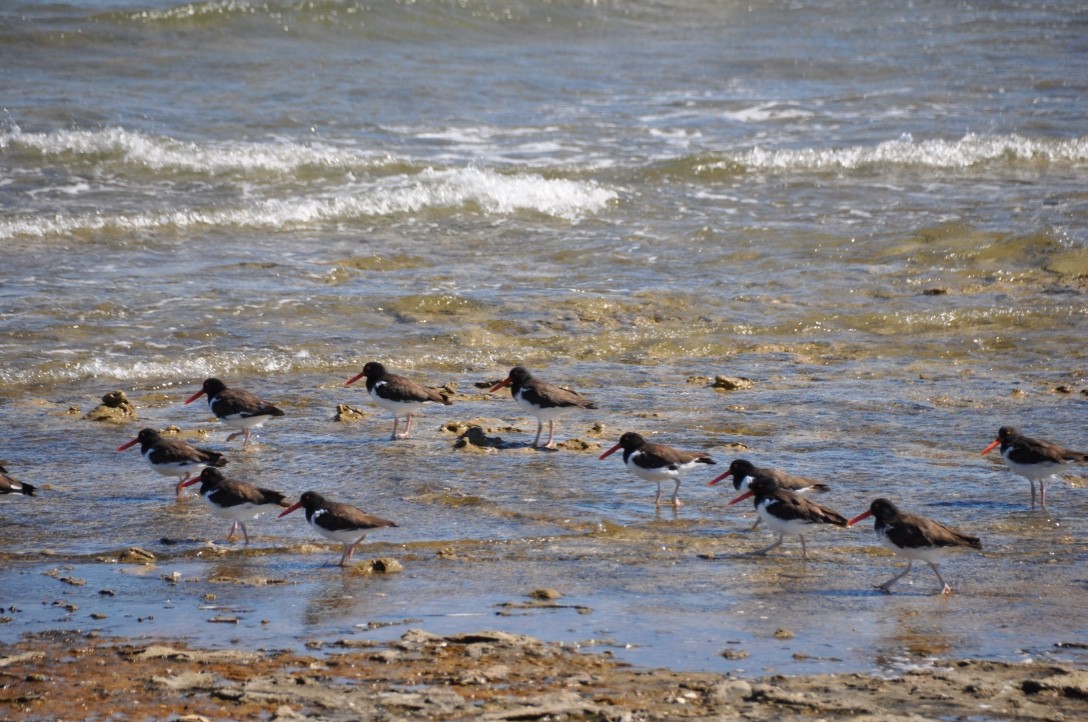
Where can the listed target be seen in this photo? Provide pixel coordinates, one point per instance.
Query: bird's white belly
(1034, 472)
(933, 555)
(343, 536)
(661, 474)
(177, 468)
(240, 422)
(238, 512)
(548, 414)
(794, 527)
(399, 408)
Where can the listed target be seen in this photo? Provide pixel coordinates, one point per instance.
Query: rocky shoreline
(487, 675)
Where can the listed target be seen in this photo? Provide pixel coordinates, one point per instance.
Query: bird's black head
(763, 486)
(213, 386)
(148, 436)
(373, 370)
(883, 509)
(1006, 433)
(211, 476)
(741, 468)
(311, 500)
(519, 375)
(631, 441)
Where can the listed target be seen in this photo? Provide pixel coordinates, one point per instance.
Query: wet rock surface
(114, 409)
(488, 675)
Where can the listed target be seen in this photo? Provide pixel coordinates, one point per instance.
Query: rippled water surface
(876, 214)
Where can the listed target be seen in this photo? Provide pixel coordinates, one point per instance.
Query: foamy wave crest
(491, 192)
(182, 368)
(159, 153)
(971, 150)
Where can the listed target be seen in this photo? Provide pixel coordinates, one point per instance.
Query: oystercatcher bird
(914, 537)
(173, 457)
(657, 462)
(397, 394)
(543, 400)
(340, 522)
(787, 512)
(743, 470)
(9, 485)
(1034, 459)
(236, 500)
(236, 408)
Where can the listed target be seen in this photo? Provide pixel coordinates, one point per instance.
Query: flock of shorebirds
(780, 498)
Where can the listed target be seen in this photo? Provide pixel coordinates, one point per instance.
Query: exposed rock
(114, 409)
(548, 593)
(494, 675)
(577, 445)
(135, 555)
(731, 383)
(344, 412)
(383, 565)
(474, 437)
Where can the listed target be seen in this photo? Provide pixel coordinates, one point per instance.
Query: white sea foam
(971, 150)
(494, 193)
(214, 158)
(183, 367)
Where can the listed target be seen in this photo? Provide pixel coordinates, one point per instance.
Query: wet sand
(486, 675)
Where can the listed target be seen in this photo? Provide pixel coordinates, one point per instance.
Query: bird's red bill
(742, 497)
(716, 480)
(859, 517)
(606, 454)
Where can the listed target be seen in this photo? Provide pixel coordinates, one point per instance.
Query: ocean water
(876, 212)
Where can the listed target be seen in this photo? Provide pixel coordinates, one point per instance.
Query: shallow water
(876, 214)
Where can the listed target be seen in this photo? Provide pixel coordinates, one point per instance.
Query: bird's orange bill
(293, 507)
(194, 397)
(190, 482)
(353, 379)
(859, 517)
(991, 447)
(742, 497)
(606, 454)
(715, 480)
(122, 447)
(496, 387)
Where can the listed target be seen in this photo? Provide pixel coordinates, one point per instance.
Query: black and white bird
(173, 457)
(914, 537)
(1034, 459)
(339, 522)
(743, 471)
(11, 485)
(237, 408)
(657, 462)
(787, 512)
(236, 500)
(397, 394)
(541, 399)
